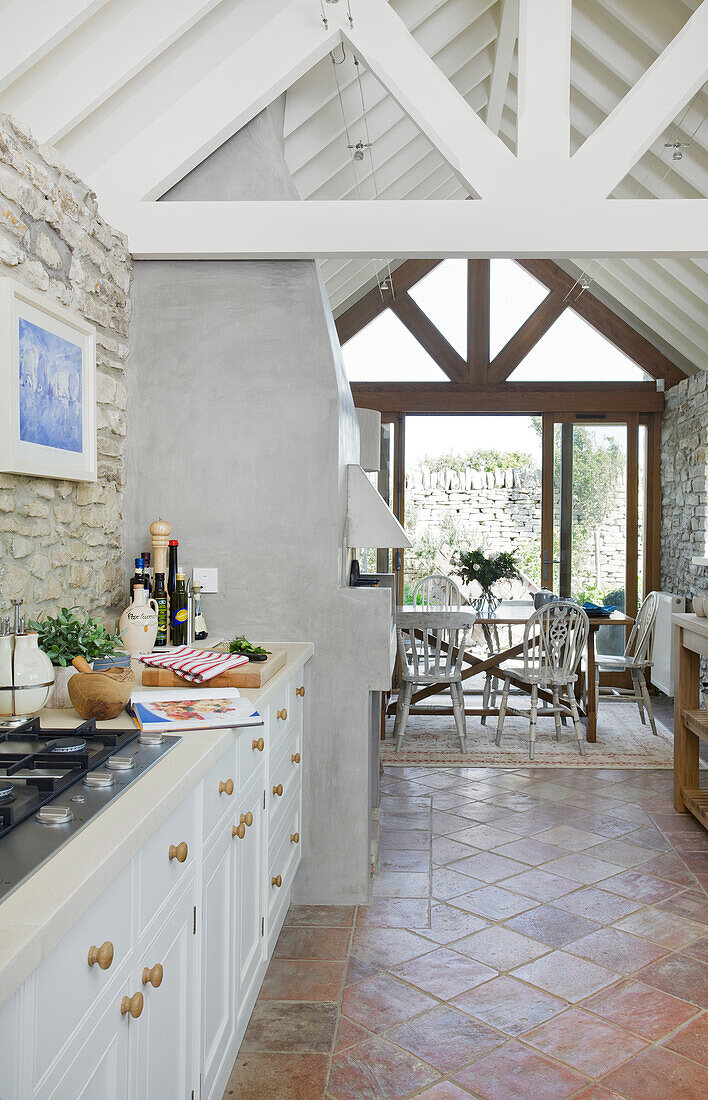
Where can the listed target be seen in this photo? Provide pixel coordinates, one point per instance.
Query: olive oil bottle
(179, 615)
(160, 597)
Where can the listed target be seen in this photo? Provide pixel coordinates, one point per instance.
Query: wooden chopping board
(253, 675)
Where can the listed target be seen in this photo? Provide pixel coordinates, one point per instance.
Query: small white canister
(138, 624)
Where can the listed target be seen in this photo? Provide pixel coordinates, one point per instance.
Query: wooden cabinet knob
(300, 691)
(282, 714)
(179, 851)
(153, 975)
(277, 881)
(133, 1005)
(227, 787)
(238, 830)
(259, 744)
(295, 758)
(102, 955)
(278, 790)
(247, 819)
(294, 838)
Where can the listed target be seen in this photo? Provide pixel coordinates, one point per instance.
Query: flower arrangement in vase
(486, 570)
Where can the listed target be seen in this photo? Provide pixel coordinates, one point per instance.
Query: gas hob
(53, 781)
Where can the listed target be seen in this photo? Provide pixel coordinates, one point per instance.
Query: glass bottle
(200, 626)
(178, 612)
(147, 572)
(172, 566)
(138, 577)
(160, 597)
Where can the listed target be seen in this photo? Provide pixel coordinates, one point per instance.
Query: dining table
(495, 623)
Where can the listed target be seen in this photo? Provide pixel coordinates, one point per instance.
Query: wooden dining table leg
(591, 733)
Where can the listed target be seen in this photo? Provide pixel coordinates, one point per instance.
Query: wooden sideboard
(690, 722)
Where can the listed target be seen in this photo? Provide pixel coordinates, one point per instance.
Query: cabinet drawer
(219, 790)
(281, 712)
(285, 773)
(67, 985)
(251, 749)
(167, 859)
(283, 862)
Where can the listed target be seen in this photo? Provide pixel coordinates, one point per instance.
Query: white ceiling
(89, 74)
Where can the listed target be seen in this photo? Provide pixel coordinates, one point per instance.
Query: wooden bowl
(100, 695)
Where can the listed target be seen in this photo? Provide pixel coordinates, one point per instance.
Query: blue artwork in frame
(51, 392)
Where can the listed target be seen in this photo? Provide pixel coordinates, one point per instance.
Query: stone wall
(61, 542)
(684, 437)
(501, 510)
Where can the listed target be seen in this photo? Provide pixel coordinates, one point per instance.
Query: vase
(33, 674)
(138, 624)
(486, 605)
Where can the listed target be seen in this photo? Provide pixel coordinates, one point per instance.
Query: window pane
(572, 351)
(443, 296)
(513, 296)
(385, 351)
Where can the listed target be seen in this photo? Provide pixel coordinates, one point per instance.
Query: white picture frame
(47, 387)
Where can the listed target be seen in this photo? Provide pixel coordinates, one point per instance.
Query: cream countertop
(36, 916)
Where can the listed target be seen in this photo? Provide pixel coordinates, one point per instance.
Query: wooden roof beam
(510, 398)
(526, 337)
(429, 337)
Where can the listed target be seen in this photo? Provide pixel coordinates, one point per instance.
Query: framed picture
(47, 387)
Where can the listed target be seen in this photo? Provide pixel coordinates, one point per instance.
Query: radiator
(662, 673)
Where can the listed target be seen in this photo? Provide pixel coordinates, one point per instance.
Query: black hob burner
(36, 764)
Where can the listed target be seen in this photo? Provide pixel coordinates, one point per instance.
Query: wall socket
(208, 578)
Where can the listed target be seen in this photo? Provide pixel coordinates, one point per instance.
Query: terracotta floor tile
(665, 929)
(584, 1042)
(565, 975)
(692, 1040)
(407, 819)
(570, 838)
(617, 950)
(384, 947)
(445, 1090)
(650, 838)
(487, 836)
(444, 973)
(445, 823)
(671, 868)
(620, 852)
(657, 1074)
(283, 1026)
(501, 947)
(446, 850)
(488, 866)
(698, 949)
(391, 803)
(318, 916)
(680, 976)
(406, 884)
(640, 1008)
(552, 926)
(258, 1076)
(350, 1034)
(358, 971)
(494, 902)
(393, 913)
(693, 905)
(312, 943)
(597, 1092)
(596, 904)
(540, 885)
(377, 1069)
(446, 1038)
(610, 827)
(447, 923)
(400, 859)
(382, 1001)
(510, 1006)
(303, 980)
(581, 868)
(515, 1073)
(640, 887)
(485, 814)
(414, 840)
(530, 851)
(447, 884)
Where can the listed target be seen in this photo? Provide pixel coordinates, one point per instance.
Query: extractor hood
(370, 521)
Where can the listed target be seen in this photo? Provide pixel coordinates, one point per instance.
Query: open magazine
(187, 709)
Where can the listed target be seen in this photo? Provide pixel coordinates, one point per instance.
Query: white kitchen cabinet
(249, 915)
(164, 1034)
(218, 977)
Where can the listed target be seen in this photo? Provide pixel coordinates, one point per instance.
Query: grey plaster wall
(241, 426)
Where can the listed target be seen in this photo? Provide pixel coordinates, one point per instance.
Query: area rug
(622, 742)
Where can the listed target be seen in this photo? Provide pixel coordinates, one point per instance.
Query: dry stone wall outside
(61, 542)
(684, 439)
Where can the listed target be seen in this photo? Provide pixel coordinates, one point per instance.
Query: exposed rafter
(543, 141)
(526, 337)
(31, 28)
(508, 33)
(510, 398)
(429, 337)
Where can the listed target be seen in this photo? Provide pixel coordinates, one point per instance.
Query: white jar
(138, 624)
(5, 673)
(33, 673)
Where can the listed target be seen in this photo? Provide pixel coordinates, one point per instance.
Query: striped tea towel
(195, 665)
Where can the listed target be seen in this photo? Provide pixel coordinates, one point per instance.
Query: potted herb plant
(486, 570)
(65, 636)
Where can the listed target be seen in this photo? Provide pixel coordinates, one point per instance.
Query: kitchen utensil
(252, 675)
(101, 695)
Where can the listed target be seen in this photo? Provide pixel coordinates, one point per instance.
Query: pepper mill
(160, 531)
